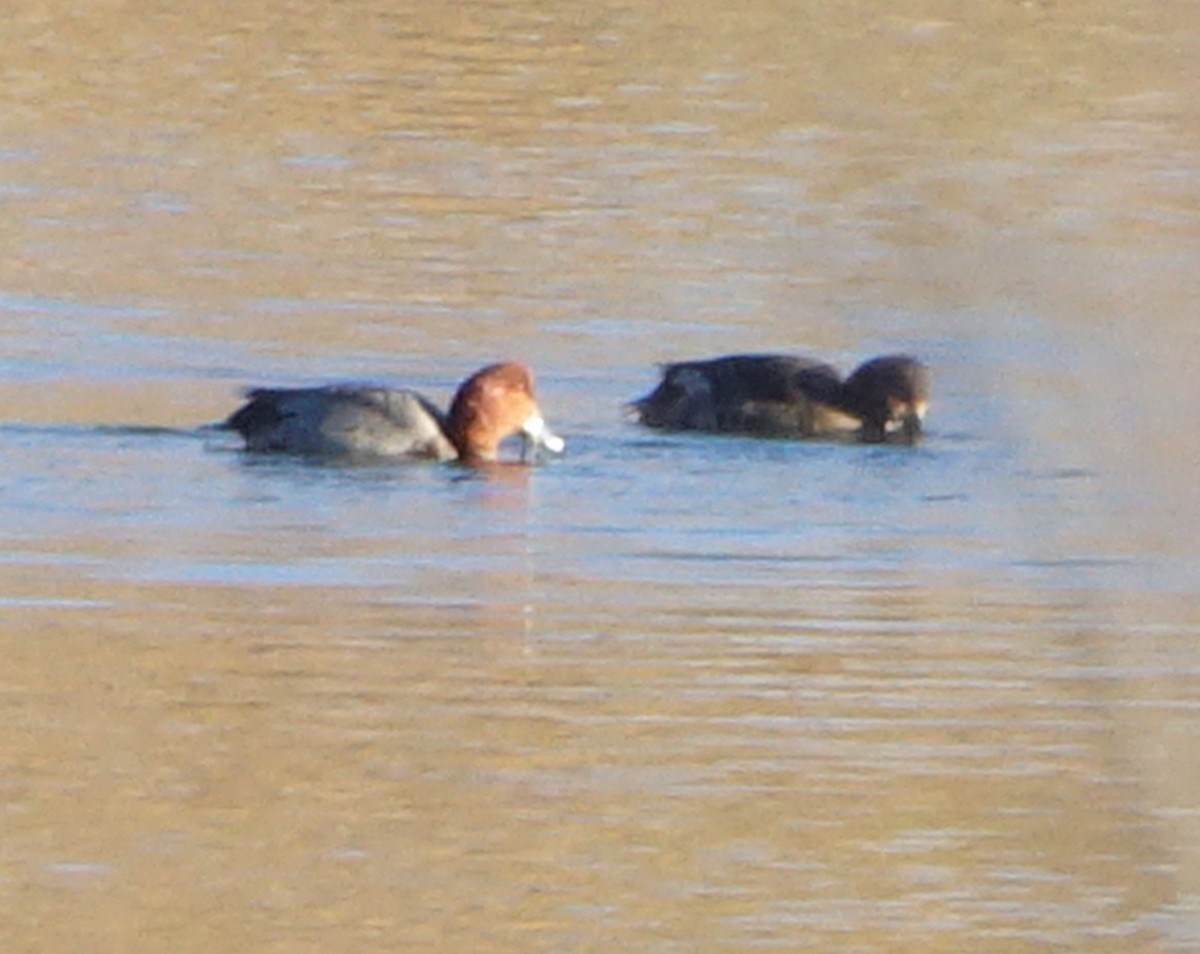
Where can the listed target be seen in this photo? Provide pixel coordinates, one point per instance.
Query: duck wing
(764, 394)
(342, 420)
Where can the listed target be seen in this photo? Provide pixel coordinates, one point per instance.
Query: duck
(365, 422)
(777, 395)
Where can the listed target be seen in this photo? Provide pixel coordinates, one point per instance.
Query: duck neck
(848, 402)
(469, 439)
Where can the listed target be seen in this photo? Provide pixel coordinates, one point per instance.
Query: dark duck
(771, 395)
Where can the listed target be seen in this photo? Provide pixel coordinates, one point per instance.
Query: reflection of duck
(783, 396)
(355, 421)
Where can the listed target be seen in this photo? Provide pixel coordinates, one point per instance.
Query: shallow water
(667, 692)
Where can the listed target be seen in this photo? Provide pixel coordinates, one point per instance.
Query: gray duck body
(342, 420)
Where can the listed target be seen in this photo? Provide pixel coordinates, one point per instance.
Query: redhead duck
(356, 421)
(782, 396)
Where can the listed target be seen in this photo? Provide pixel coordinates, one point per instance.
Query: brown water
(667, 693)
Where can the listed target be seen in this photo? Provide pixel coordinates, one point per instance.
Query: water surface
(668, 692)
